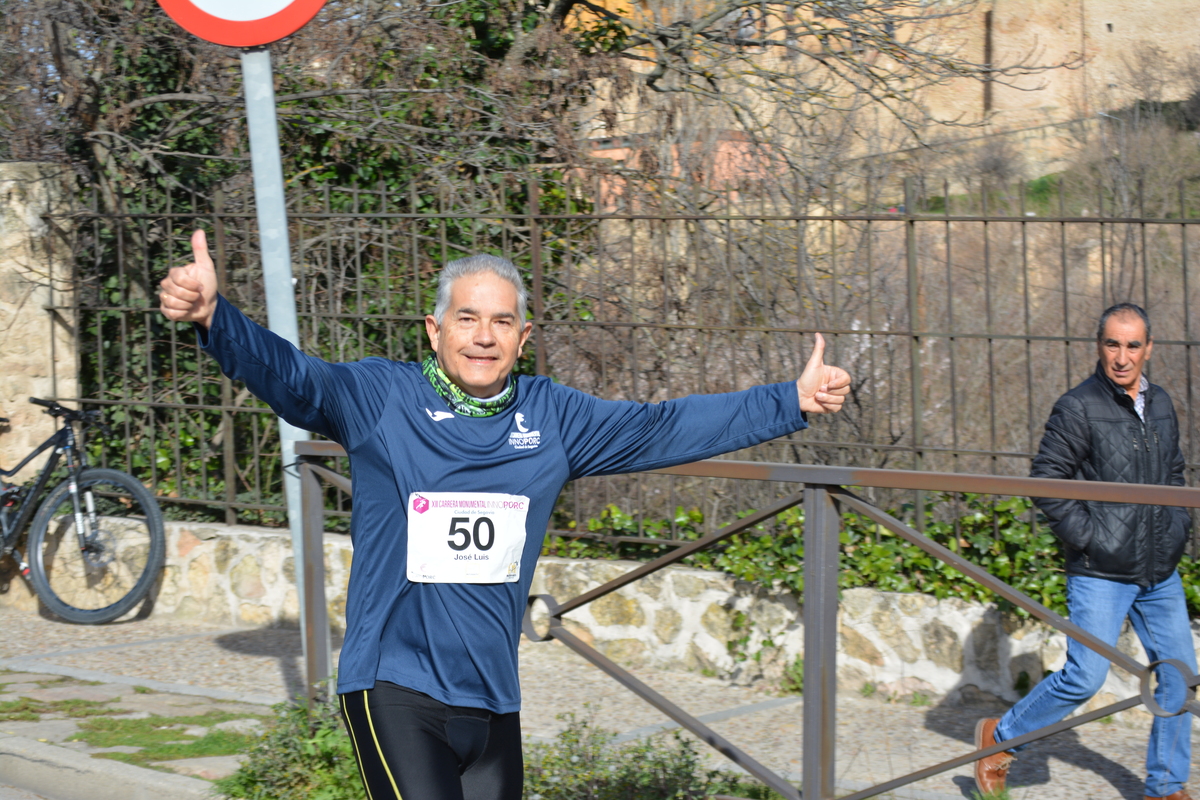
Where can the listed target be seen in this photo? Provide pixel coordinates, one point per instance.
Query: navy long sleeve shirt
(457, 642)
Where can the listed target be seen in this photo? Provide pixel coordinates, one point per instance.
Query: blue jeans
(1159, 616)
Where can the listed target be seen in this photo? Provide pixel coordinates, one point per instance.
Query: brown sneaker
(1182, 794)
(991, 772)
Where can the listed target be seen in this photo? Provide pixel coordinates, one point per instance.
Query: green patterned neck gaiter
(460, 401)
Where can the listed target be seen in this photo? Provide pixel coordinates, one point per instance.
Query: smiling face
(479, 338)
(1124, 350)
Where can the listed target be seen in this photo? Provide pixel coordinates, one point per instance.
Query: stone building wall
(685, 618)
(37, 351)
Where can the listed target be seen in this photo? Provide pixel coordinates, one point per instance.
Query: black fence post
(821, 528)
(535, 258)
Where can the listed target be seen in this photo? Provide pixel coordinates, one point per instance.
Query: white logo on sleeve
(438, 416)
(523, 438)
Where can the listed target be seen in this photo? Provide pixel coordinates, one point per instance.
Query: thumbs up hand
(189, 294)
(822, 388)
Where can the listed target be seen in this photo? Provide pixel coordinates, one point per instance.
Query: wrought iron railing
(962, 312)
(824, 490)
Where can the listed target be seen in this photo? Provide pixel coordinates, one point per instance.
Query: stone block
(199, 575)
(699, 661)
(224, 553)
(913, 604)
(186, 543)
(617, 609)
(190, 608)
(985, 646)
(246, 579)
(256, 615)
(667, 624)
(718, 621)
(688, 586)
(770, 616)
(850, 678)
(855, 645)
(858, 602)
(942, 646)
(652, 585)
(888, 626)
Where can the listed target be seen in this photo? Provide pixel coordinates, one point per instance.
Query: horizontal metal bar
(155, 404)
(1032, 736)
(190, 501)
(601, 324)
(604, 537)
(319, 447)
(681, 552)
(1101, 491)
(988, 581)
(340, 481)
(685, 720)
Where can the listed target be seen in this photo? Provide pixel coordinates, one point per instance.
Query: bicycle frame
(62, 441)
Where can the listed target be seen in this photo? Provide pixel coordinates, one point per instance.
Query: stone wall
(37, 350)
(901, 644)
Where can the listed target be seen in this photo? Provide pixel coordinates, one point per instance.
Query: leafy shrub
(584, 763)
(305, 755)
(308, 755)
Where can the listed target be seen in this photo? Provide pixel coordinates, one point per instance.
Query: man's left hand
(822, 388)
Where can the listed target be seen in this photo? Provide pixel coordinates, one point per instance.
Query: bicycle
(96, 543)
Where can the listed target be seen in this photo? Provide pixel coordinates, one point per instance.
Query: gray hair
(1122, 308)
(476, 265)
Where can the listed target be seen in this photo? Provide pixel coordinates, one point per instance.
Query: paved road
(876, 740)
(11, 793)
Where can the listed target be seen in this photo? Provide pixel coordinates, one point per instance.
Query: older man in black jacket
(1120, 557)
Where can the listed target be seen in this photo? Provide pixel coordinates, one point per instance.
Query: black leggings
(412, 747)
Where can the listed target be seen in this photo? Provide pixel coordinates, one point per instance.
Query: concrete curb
(26, 664)
(62, 774)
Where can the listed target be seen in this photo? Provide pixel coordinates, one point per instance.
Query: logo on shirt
(438, 416)
(523, 438)
(420, 504)
(512, 571)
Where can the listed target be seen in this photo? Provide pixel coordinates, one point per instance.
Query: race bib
(465, 537)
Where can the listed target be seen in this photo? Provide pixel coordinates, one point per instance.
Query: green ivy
(995, 534)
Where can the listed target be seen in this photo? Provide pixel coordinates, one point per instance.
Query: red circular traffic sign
(241, 23)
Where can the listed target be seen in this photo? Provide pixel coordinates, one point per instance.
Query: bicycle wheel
(101, 575)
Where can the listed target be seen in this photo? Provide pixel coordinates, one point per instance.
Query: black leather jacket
(1094, 434)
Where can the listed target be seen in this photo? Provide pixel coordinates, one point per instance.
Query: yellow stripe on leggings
(378, 749)
(354, 741)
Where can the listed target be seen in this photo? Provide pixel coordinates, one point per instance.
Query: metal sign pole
(269, 201)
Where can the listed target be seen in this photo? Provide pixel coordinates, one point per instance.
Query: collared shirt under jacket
(1095, 433)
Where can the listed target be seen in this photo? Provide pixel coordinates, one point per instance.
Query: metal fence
(824, 493)
(962, 312)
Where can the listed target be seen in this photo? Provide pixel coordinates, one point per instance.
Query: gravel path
(876, 740)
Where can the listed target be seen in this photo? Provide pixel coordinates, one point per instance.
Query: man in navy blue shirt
(456, 465)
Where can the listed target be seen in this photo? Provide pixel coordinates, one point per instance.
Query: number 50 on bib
(465, 537)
